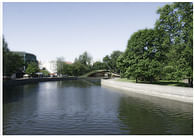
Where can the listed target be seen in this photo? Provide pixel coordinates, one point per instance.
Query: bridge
(101, 73)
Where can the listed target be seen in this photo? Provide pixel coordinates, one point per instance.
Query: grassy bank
(159, 82)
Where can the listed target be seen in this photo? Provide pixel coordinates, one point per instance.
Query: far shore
(182, 94)
(22, 81)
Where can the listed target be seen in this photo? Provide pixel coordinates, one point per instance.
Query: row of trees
(165, 52)
(80, 66)
(13, 63)
(75, 69)
(83, 64)
(108, 63)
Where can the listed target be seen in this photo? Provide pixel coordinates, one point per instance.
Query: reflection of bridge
(103, 73)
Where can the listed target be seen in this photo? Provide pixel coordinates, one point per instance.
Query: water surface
(84, 107)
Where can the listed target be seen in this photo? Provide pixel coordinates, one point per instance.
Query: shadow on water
(147, 115)
(13, 94)
(82, 83)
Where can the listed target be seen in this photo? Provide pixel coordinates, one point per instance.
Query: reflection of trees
(83, 83)
(19, 104)
(146, 118)
(12, 94)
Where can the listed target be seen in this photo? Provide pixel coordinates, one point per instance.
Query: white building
(50, 66)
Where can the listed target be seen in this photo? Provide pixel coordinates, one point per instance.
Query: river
(84, 107)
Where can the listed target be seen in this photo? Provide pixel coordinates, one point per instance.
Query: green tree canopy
(12, 63)
(84, 59)
(79, 69)
(142, 57)
(99, 65)
(76, 69)
(175, 26)
(45, 72)
(67, 69)
(111, 60)
(60, 65)
(32, 68)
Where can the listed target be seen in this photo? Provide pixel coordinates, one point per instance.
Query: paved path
(169, 92)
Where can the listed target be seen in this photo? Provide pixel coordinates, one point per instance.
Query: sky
(51, 30)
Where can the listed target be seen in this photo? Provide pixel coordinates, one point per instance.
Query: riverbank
(168, 92)
(22, 81)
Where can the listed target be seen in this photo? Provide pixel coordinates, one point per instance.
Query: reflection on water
(84, 107)
(147, 118)
(78, 84)
(13, 94)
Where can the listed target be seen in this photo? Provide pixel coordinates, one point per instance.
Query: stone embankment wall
(168, 92)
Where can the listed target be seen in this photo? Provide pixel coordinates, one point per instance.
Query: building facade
(27, 58)
(49, 65)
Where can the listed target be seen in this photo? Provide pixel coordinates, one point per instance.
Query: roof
(67, 62)
(22, 53)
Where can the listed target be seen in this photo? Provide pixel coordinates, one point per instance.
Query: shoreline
(176, 93)
(181, 94)
(23, 81)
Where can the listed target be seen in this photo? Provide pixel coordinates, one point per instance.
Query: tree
(12, 63)
(32, 68)
(142, 58)
(107, 62)
(59, 64)
(111, 61)
(169, 73)
(67, 69)
(176, 28)
(5, 46)
(122, 64)
(85, 59)
(45, 72)
(114, 56)
(99, 65)
(79, 69)
(82, 64)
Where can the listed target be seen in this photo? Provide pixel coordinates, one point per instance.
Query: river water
(84, 107)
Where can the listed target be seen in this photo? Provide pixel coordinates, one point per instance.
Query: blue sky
(51, 30)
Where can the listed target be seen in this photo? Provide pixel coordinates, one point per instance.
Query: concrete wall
(168, 92)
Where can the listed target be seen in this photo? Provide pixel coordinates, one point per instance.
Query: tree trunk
(136, 80)
(151, 80)
(190, 82)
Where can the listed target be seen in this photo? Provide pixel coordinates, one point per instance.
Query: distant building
(27, 58)
(50, 66)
